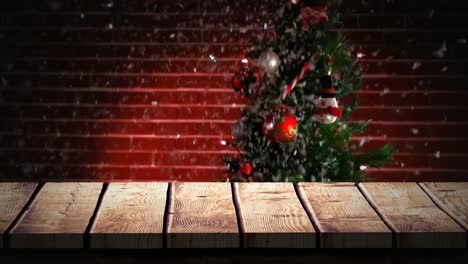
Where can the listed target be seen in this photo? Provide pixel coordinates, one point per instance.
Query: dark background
(238, 256)
(91, 90)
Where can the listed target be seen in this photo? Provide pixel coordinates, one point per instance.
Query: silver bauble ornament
(240, 130)
(269, 62)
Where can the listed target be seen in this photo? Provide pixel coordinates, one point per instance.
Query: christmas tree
(293, 128)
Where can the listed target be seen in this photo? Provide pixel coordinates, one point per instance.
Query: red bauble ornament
(287, 129)
(247, 80)
(246, 168)
(282, 128)
(238, 81)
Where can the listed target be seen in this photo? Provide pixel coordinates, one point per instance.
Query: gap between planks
(58, 216)
(167, 208)
(446, 210)
(271, 216)
(310, 213)
(381, 216)
(442, 207)
(344, 217)
(92, 221)
(240, 225)
(26, 207)
(413, 217)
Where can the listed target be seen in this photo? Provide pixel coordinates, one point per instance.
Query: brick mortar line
(217, 137)
(219, 59)
(121, 151)
(214, 14)
(221, 121)
(72, 105)
(192, 151)
(249, 27)
(239, 44)
(223, 75)
(211, 167)
(212, 90)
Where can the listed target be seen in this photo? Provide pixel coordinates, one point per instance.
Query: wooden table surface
(233, 215)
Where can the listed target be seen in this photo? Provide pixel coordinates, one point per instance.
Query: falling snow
(212, 57)
(360, 55)
(440, 53)
(416, 65)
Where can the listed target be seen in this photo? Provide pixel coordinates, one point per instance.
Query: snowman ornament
(326, 106)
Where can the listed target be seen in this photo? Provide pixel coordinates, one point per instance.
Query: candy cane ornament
(326, 105)
(307, 67)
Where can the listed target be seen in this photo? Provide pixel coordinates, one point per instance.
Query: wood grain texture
(344, 217)
(202, 215)
(452, 197)
(58, 217)
(409, 212)
(131, 215)
(271, 216)
(13, 197)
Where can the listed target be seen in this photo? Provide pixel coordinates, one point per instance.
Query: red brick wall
(131, 94)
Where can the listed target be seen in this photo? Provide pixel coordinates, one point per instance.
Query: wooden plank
(13, 197)
(131, 215)
(409, 212)
(452, 197)
(58, 217)
(201, 215)
(344, 217)
(271, 216)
